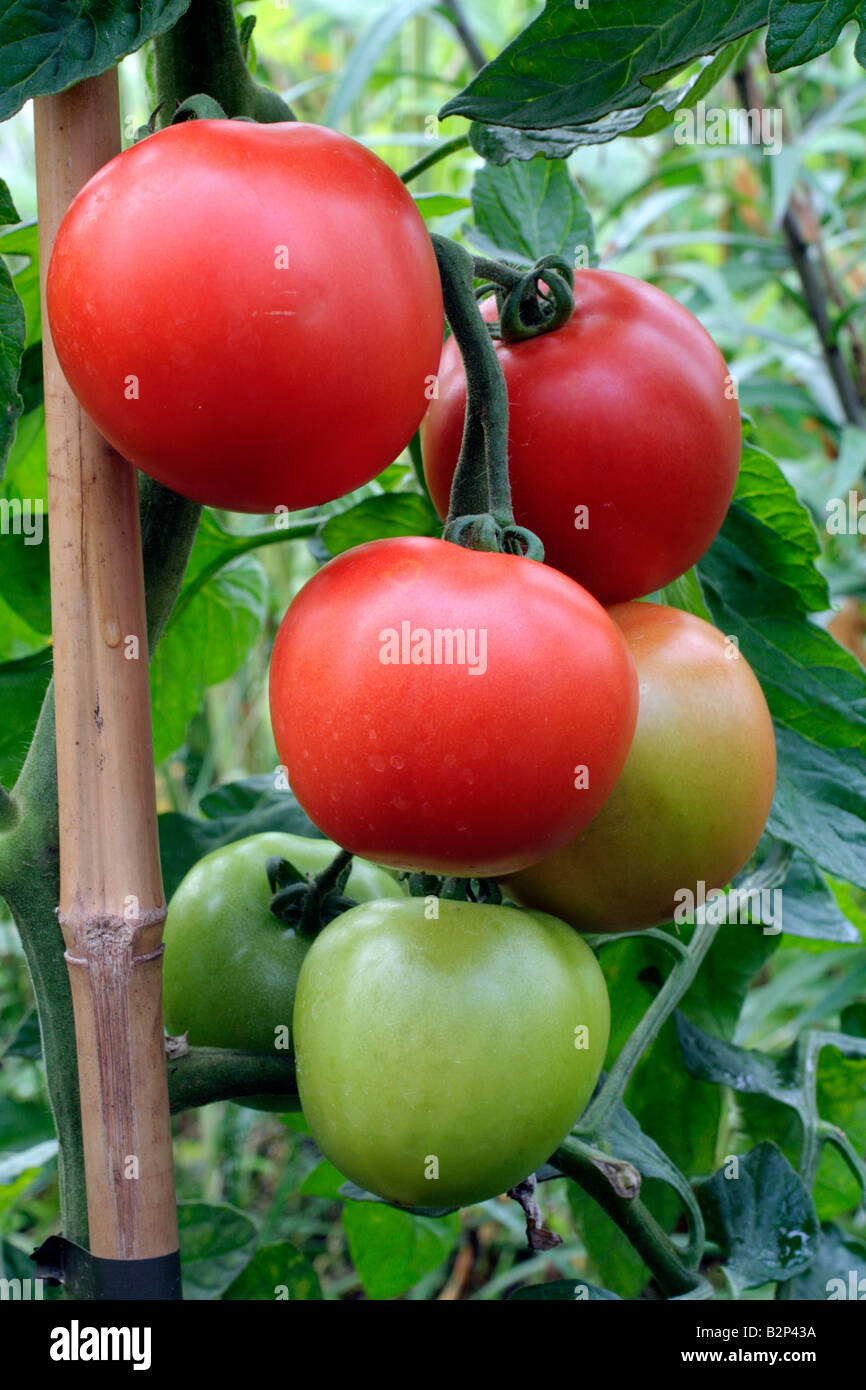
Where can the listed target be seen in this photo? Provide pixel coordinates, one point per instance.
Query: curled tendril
(528, 311)
(484, 532)
(478, 532)
(517, 540)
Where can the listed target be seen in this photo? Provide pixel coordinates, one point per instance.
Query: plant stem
(30, 885)
(638, 1224)
(467, 38)
(441, 151)
(8, 811)
(665, 1002)
(202, 53)
(481, 479)
(815, 293)
(168, 528)
(206, 1074)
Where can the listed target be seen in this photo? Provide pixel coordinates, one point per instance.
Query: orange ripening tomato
(695, 792)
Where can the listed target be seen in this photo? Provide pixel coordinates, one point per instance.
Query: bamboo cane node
(109, 941)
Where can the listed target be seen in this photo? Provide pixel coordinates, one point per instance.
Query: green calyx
(308, 902)
(462, 890)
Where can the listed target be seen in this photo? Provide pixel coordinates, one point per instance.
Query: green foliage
(391, 1249)
(228, 813)
(763, 1219)
(574, 65)
(216, 1244)
(526, 211)
(762, 1052)
(47, 46)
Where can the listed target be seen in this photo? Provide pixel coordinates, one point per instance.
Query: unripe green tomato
(231, 966)
(693, 798)
(441, 1061)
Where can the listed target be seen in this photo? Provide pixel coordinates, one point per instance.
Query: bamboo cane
(111, 901)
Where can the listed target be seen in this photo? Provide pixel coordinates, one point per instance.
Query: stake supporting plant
(111, 900)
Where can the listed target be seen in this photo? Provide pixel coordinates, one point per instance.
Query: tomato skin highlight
(694, 795)
(231, 967)
(626, 411)
(461, 1046)
(438, 767)
(249, 313)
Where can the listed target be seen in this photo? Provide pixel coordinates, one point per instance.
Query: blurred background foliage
(712, 226)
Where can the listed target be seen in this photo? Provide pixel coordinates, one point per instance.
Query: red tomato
(694, 794)
(625, 412)
(470, 766)
(248, 312)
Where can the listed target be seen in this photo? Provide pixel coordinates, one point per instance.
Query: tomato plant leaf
(204, 643)
(838, 1270)
(759, 1212)
(276, 1272)
(22, 243)
(23, 683)
(574, 65)
(391, 1249)
(12, 339)
(713, 1059)
(323, 1181)
(391, 514)
(48, 45)
(216, 1243)
(499, 144)
(810, 909)
(802, 29)
(760, 584)
(525, 211)
(352, 1192)
(562, 1289)
(623, 1137)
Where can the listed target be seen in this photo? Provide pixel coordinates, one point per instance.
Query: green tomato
(440, 1062)
(231, 966)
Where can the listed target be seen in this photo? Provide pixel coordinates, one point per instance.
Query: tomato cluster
(440, 709)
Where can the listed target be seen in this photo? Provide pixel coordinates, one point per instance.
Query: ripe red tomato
(694, 794)
(249, 313)
(624, 441)
(442, 709)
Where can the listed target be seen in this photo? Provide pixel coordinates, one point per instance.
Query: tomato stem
(203, 54)
(480, 515)
(441, 151)
(673, 1276)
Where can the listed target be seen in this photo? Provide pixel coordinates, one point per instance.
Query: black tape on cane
(87, 1276)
